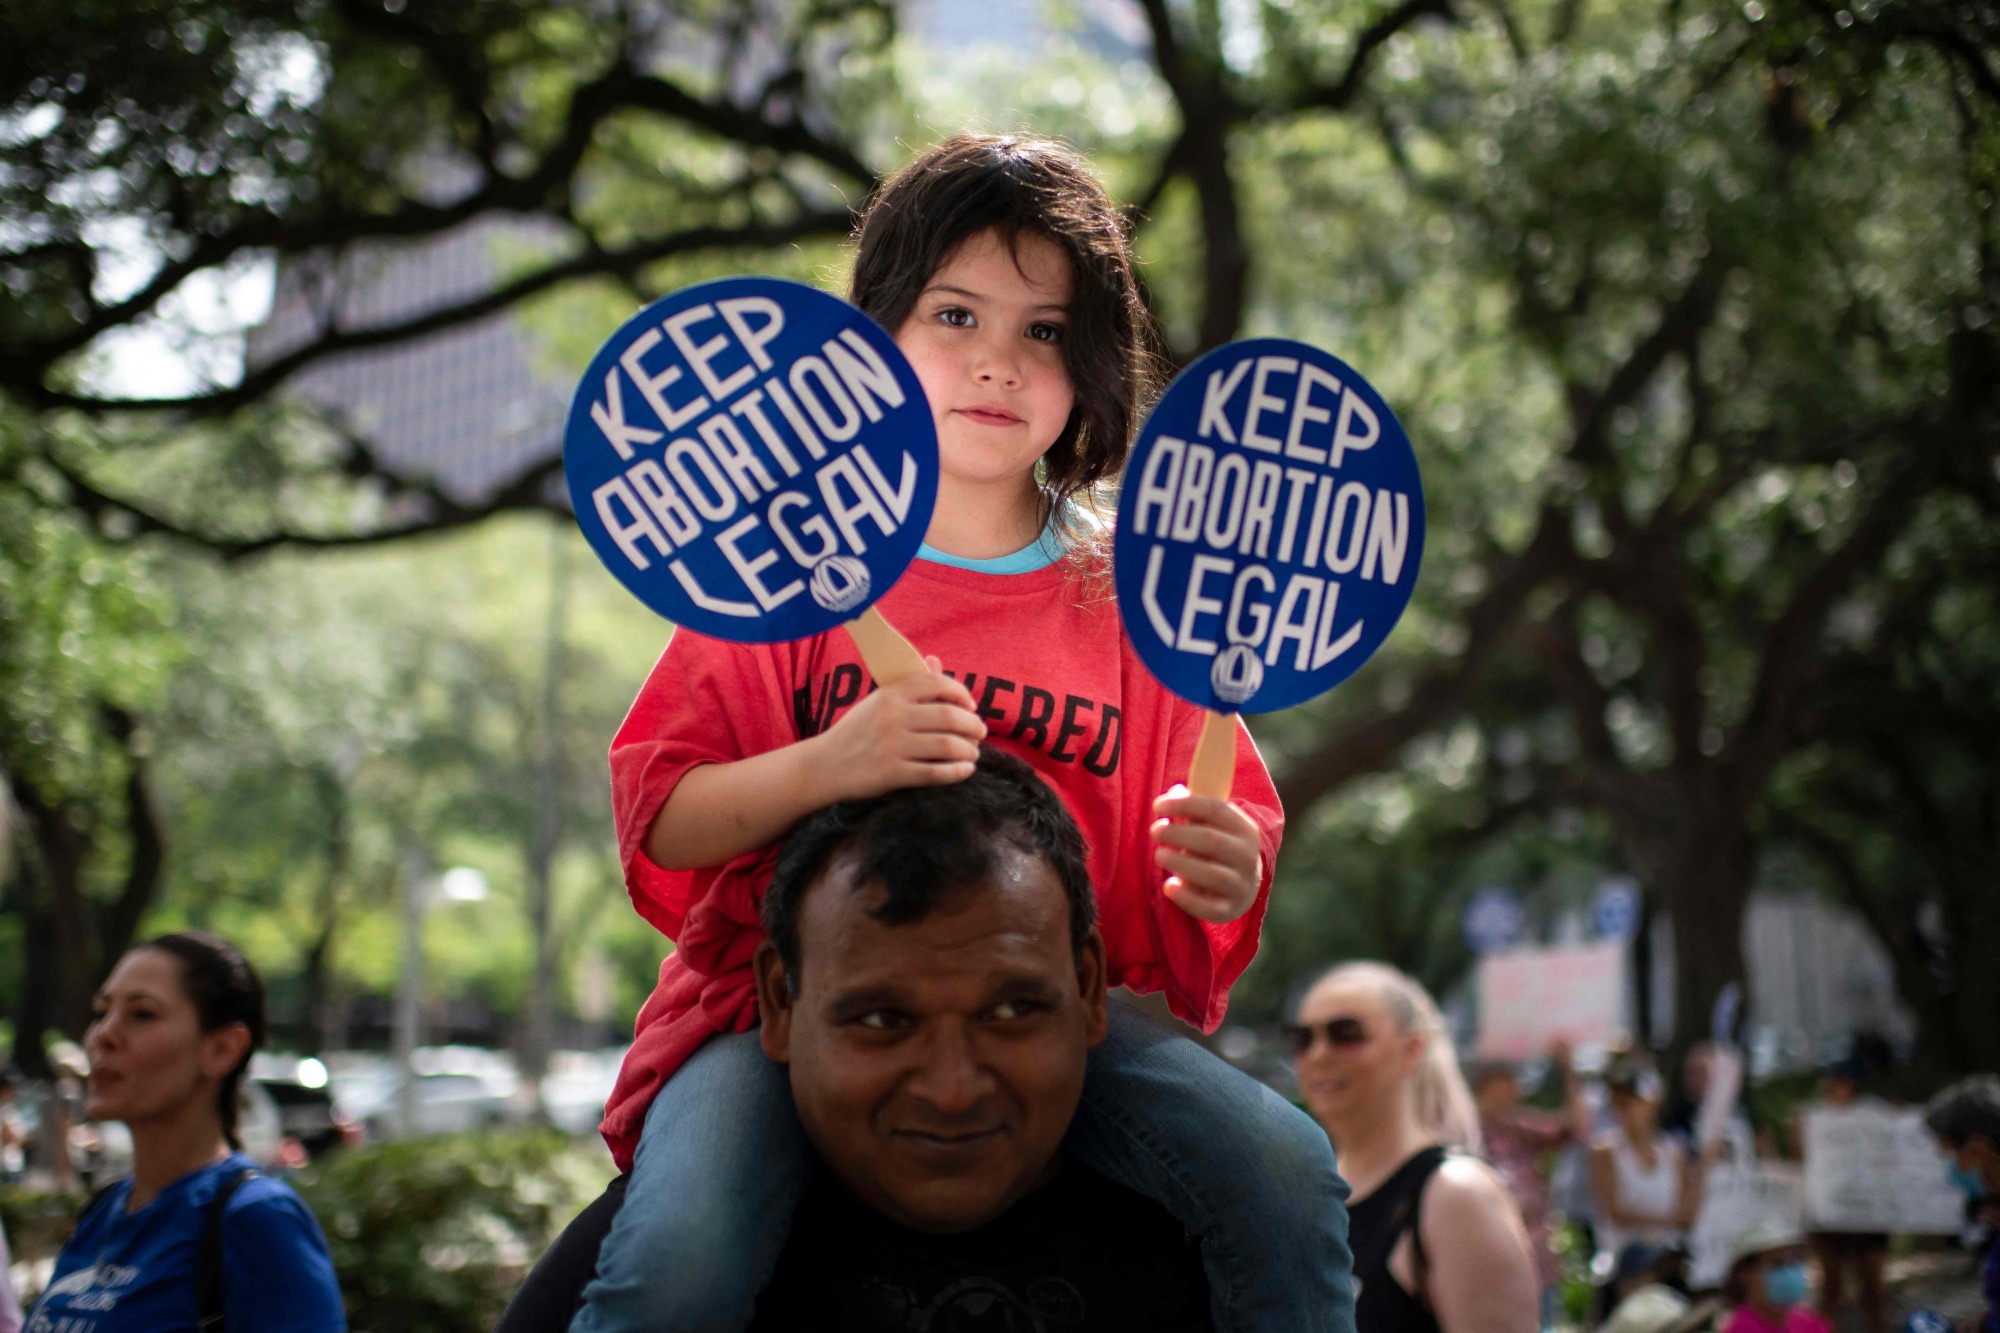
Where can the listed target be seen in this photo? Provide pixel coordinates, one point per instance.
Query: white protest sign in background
(1736, 1199)
(1725, 1082)
(754, 459)
(1530, 997)
(1876, 1168)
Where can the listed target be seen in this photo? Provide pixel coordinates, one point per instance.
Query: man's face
(936, 1065)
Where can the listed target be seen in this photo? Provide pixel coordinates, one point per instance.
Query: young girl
(1004, 273)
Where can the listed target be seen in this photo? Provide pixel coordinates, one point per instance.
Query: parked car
(303, 1100)
(577, 1085)
(457, 1089)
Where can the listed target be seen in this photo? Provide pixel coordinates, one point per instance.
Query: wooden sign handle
(1213, 772)
(884, 651)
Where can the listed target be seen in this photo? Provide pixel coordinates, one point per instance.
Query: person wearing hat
(1767, 1283)
(1646, 1186)
(1646, 1293)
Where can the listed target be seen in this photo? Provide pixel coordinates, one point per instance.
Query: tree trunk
(1705, 879)
(61, 849)
(73, 942)
(35, 1012)
(1973, 938)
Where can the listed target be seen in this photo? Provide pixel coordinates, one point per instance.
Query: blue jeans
(722, 1163)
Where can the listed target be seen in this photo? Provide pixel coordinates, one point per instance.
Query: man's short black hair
(1968, 1109)
(924, 843)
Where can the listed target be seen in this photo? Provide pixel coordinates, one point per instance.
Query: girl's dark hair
(225, 989)
(1016, 182)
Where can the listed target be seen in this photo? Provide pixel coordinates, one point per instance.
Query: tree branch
(1765, 731)
(591, 262)
(525, 491)
(1336, 96)
(1373, 746)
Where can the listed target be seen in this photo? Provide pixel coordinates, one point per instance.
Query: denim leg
(1237, 1164)
(719, 1171)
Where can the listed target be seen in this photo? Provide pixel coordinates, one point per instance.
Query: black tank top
(1374, 1225)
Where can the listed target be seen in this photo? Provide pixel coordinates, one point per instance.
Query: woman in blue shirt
(175, 1024)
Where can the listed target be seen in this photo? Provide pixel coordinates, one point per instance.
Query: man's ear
(774, 1002)
(1091, 983)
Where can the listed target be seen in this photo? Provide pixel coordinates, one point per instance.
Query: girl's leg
(1232, 1160)
(719, 1170)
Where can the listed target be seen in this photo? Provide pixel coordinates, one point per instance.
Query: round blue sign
(1493, 921)
(754, 459)
(1616, 912)
(1270, 526)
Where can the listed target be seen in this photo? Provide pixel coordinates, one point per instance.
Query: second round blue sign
(1270, 526)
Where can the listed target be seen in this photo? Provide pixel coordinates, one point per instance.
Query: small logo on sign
(840, 583)
(1237, 673)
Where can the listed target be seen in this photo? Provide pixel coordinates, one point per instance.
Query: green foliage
(38, 1221)
(345, 708)
(433, 1235)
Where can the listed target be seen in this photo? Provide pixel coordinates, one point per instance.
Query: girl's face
(1357, 1060)
(148, 1055)
(986, 340)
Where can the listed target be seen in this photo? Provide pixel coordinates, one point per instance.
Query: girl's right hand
(922, 731)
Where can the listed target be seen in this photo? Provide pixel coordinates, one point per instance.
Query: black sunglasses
(1337, 1031)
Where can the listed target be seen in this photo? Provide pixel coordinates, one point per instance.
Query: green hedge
(432, 1235)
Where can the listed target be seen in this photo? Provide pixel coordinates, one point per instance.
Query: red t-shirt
(1046, 661)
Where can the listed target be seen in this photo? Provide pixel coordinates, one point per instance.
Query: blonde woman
(1439, 1245)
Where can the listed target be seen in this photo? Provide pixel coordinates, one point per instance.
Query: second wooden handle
(884, 651)
(1213, 772)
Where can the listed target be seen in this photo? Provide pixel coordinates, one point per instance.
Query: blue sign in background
(753, 458)
(1270, 527)
(1493, 921)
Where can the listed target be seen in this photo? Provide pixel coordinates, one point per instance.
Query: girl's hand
(1210, 852)
(920, 732)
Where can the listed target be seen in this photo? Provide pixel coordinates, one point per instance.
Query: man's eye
(884, 1020)
(1046, 333)
(957, 316)
(1009, 1010)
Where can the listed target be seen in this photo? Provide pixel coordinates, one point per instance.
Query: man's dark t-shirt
(1079, 1253)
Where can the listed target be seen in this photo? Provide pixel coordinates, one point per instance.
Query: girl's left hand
(1210, 852)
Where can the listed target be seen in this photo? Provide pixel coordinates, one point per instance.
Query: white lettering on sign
(734, 425)
(1262, 402)
(1157, 483)
(1189, 491)
(1305, 414)
(1302, 617)
(1288, 408)
(609, 414)
(1195, 605)
(701, 355)
(1215, 398)
(1345, 437)
(653, 387)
